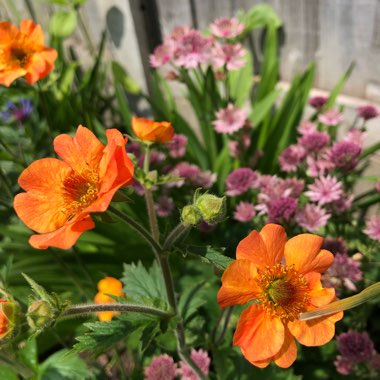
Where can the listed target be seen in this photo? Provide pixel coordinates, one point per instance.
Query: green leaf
(7, 373)
(259, 16)
(263, 107)
(28, 354)
(191, 300)
(63, 365)
(63, 24)
(144, 286)
(121, 77)
(39, 290)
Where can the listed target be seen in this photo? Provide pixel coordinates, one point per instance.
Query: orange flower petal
(259, 335)
(288, 352)
(319, 296)
(238, 284)
(315, 332)
(149, 130)
(110, 285)
(84, 151)
(63, 238)
(254, 249)
(274, 237)
(33, 31)
(304, 252)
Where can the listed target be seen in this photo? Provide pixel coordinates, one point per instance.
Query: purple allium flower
(331, 118)
(201, 359)
(291, 158)
(314, 141)
(18, 112)
(177, 146)
(192, 49)
(325, 190)
(373, 227)
(343, 365)
(164, 206)
(306, 126)
(318, 101)
(226, 27)
(229, 55)
(312, 217)
(161, 368)
(335, 245)
(368, 111)
(162, 54)
(230, 119)
(244, 212)
(355, 346)
(239, 181)
(281, 209)
(345, 154)
(344, 271)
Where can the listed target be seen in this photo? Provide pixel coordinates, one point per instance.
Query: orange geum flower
(23, 53)
(283, 278)
(61, 194)
(108, 285)
(152, 131)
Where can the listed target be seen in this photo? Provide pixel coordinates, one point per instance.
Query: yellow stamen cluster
(284, 291)
(79, 191)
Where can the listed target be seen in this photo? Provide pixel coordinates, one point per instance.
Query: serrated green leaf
(191, 300)
(63, 24)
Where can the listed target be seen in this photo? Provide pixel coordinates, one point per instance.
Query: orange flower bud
(7, 316)
(108, 285)
(152, 131)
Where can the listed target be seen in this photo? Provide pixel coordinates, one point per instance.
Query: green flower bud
(211, 207)
(8, 311)
(40, 315)
(190, 215)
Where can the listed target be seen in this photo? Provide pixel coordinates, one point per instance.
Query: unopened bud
(40, 315)
(190, 215)
(211, 207)
(7, 319)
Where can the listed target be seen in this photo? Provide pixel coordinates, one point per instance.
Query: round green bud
(211, 208)
(190, 215)
(40, 315)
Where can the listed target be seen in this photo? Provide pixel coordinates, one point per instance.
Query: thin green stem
(85, 309)
(137, 227)
(11, 153)
(175, 235)
(227, 318)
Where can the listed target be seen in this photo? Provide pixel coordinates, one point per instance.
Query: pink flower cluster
(193, 175)
(188, 48)
(230, 119)
(163, 367)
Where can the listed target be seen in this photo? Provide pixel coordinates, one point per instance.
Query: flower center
(284, 292)
(20, 56)
(79, 191)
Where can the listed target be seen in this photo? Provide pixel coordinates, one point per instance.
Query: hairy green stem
(175, 235)
(119, 307)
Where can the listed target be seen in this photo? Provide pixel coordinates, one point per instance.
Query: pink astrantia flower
(205, 179)
(230, 119)
(318, 101)
(368, 111)
(342, 204)
(355, 135)
(331, 118)
(244, 212)
(177, 146)
(281, 209)
(161, 367)
(229, 55)
(373, 227)
(343, 365)
(238, 147)
(291, 158)
(178, 33)
(314, 141)
(306, 126)
(192, 50)
(355, 346)
(162, 54)
(192, 174)
(319, 165)
(239, 181)
(164, 206)
(201, 359)
(345, 155)
(312, 217)
(290, 187)
(325, 190)
(226, 27)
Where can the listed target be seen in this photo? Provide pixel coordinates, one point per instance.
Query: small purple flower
(230, 119)
(177, 146)
(355, 135)
(335, 245)
(281, 209)
(164, 206)
(342, 204)
(244, 212)
(368, 111)
(201, 359)
(18, 112)
(314, 141)
(373, 227)
(318, 101)
(345, 154)
(355, 346)
(134, 148)
(306, 126)
(312, 217)
(290, 187)
(193, 174)
(226, 27)
(161, 368)
(291, 158)
(205, 179)
(343, 365)
(325, 190)
(238, 147)
(331, 118)
(229, 55)
(320, 164)
(239, 181)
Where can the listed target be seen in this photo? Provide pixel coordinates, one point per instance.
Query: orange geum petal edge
(254, 249)
(274, 237)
